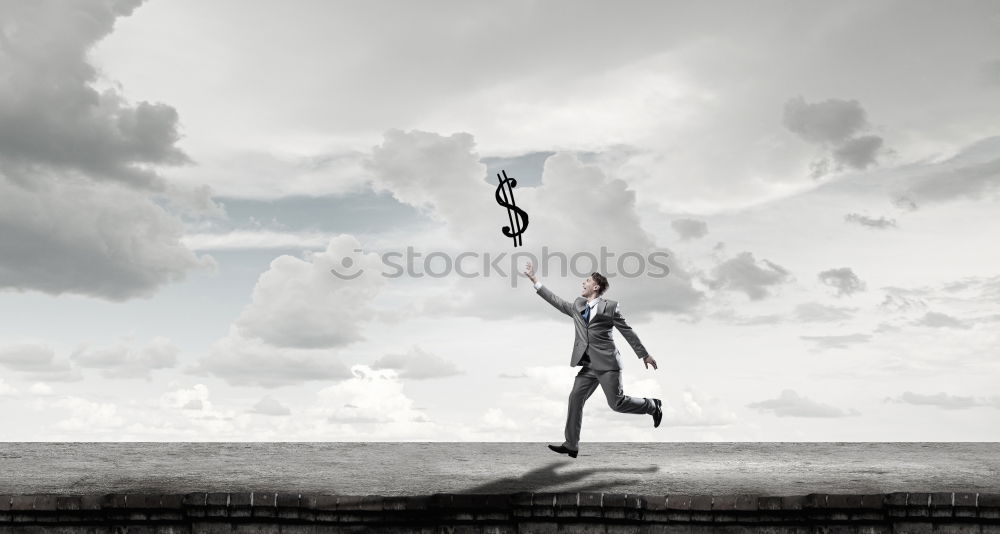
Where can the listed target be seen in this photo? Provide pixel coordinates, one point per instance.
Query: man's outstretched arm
(632, 338)
(546, 294)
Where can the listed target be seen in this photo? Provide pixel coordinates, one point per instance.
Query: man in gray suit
(594, 350)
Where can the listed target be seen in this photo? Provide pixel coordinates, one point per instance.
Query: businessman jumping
(594, 350)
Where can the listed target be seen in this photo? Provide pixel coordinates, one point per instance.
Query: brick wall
(502, 513)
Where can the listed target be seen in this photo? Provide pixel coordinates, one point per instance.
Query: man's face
(590, 287)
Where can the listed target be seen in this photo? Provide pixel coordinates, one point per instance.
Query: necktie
(586, 314)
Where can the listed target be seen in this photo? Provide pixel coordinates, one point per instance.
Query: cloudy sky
(178, 178)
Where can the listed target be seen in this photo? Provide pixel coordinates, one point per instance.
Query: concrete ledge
(513, 512)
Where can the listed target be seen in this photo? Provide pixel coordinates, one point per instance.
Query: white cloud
(37, 361)
(743, 273)
(791, 404)
(270, 406)
(245, 362)
(946, 400)
(123, 360)
(299, 303)
(843, 279)
(7, 389)
(417, 364)
(40, 388)
(85, 416)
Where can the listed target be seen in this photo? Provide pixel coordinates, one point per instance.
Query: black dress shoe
(563, 450)
(658, 415)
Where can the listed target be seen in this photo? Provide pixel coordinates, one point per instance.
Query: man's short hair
(602, 282)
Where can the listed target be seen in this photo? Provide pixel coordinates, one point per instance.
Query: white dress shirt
(591, 303)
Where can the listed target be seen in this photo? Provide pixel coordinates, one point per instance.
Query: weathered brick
(565, 500)
(793, 502)
(918, 504)
(702, 502)
(67, 502)
(195, 499)
(769, 502)
(45, 502)
(965, 499)
(678, 502)
(566, 505)
(614, 500)
(440, 500)
(262, 499)
(815, 500)
(896, 498)
(543, 505)
(91, 502)
(734, 501)
(142, 501)
(418, 502)
(391, 503)
(871, 501)
(989, 500)
(914, 527)
(481, 501)
(941, 499)
(320, 502)
(217, 499)
(360, 503)
(262, 505)
(22, 503)
(654, 502)
(843, 500)
(521, 498)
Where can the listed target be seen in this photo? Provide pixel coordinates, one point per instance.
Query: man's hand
(529, 271)
(649, 360)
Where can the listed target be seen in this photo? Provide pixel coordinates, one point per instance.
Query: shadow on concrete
(570, 481)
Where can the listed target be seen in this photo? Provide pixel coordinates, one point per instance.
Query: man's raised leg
(611, 383)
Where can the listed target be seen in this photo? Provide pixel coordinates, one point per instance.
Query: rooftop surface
(425, 468)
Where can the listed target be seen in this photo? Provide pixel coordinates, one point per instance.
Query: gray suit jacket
(595, 338)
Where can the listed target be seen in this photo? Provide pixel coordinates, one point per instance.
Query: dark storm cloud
(974, 181)
(858, 153)
(743, 273)
(77, 165)
(689, 228)
(833, 124)
(843, 280)
(51, 115)
(791, 404)
(831, 121)
(880, 224)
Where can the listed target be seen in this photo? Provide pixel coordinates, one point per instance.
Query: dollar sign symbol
(517, 217)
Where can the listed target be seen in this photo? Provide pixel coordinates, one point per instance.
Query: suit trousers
(583, 387)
